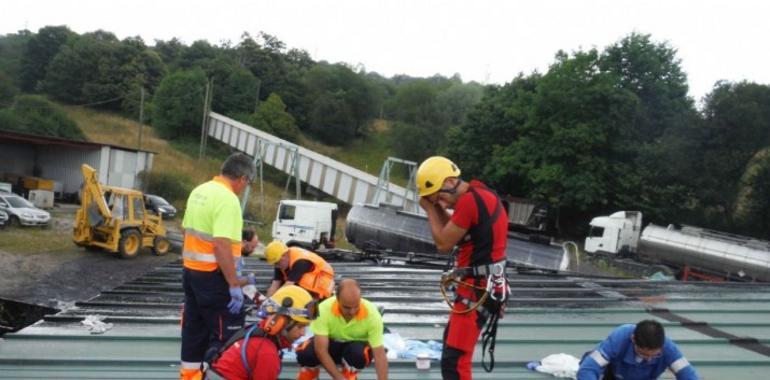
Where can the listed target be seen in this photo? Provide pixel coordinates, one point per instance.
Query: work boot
(308, 373)
(350, 373)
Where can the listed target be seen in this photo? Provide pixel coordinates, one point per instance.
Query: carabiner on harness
(497, 283)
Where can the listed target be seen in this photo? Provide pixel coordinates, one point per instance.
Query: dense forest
(599, 131)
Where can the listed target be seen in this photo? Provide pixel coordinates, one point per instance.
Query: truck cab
(614, 234)
(307, 224)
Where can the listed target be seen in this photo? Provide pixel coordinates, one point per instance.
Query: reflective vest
(320, 280)
(212, 210)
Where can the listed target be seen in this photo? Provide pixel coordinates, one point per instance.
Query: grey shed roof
(723, 329)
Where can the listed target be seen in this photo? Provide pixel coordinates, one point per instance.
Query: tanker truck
(685, 251)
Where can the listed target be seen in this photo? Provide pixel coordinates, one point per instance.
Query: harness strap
(496, 269)
(245, 333)
(245, 344)
(489, 338)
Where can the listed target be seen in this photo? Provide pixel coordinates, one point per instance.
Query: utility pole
(206, 115)
(203, 123)
(256, 104)
(141, 118)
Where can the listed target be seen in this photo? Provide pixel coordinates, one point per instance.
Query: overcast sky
(485, 41)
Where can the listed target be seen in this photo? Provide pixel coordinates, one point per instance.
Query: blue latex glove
(236, 300)
(532, 366)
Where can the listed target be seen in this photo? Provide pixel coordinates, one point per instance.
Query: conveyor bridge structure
(342, 181)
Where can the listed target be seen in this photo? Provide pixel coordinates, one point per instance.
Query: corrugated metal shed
(723, 329)
(60, 159)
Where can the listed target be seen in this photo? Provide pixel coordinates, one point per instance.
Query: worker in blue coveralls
(641, 352)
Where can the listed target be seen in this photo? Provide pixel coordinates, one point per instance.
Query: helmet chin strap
(453, 190)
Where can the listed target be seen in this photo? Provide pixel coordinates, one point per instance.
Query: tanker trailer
(706, 251)
(387, 227)
(691, 252)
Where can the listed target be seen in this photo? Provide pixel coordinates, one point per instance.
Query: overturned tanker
(387, 227)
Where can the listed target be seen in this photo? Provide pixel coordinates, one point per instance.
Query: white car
(22, 212)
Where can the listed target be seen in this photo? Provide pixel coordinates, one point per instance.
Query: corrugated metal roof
(723, 329)
(27, 138)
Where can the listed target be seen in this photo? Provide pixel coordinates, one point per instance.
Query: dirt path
(68, 275)
(44, 267)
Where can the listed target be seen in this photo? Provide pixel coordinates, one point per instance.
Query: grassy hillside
(367, 154)
(179, 158)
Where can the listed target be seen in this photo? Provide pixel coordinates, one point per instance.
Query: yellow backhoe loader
(114, 219)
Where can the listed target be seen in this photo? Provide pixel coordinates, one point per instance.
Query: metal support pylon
(258, 162)
(383, 184)
(294, 172)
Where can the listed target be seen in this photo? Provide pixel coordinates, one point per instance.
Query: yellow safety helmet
(274, 251)
(293, 302)
(432, 173)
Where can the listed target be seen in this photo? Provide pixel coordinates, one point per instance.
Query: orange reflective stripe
(198, 251)
(236, 249)
(321, 279)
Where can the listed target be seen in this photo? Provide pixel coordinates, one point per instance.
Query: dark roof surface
(49, 140)
(723, 329)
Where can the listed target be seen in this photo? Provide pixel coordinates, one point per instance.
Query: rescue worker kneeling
(348, 332)
(297, 266)
(254, 353)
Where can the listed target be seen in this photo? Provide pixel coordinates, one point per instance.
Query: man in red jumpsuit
(479, 226)
(254, 353)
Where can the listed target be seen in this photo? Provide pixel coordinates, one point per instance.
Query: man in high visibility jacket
(212, 244)
(301, 267)
(348, 333)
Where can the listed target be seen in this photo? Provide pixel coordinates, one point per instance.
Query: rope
(471, 307)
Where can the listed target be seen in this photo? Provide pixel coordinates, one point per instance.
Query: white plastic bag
(559, 365)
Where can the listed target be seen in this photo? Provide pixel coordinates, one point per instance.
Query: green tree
(494, 123)
(736, 126)
(455, 102)
(34, 114)
(12, 47)
(272, 117)
(331, 119)
(337, 88)
(564, 147)
(421, 128)
(7, 90)
(39, 52)
(170, 51)
(237, 92)
(200, 54)
(143, 70)
(178, 104)
(752, 207)
(653, 73)
(97, 68)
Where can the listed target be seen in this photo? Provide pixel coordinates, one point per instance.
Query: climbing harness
(490, 301)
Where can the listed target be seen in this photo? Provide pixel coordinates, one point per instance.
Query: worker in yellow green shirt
(348, 333)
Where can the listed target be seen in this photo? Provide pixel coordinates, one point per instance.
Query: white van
(305, 223)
